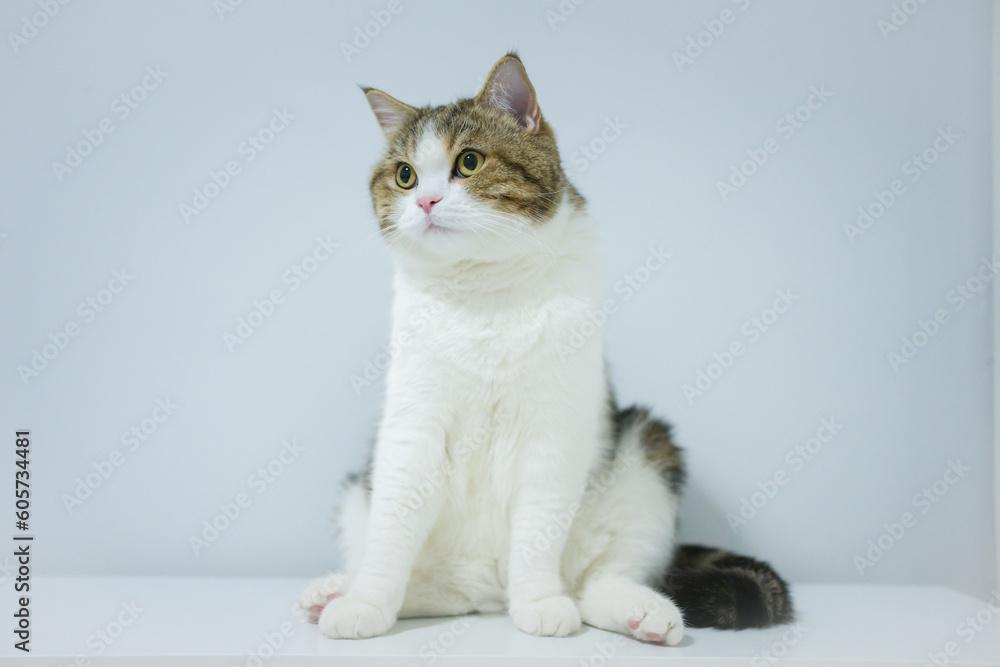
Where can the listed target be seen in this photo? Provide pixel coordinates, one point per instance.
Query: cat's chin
(431, 227)
(441, 240)
(445, 246)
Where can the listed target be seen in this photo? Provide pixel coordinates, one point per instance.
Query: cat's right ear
(509, 91)
(390, 113)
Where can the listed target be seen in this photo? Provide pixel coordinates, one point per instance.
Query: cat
(504, 476)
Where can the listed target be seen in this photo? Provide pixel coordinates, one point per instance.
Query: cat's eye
(406, 177)
(469, 162)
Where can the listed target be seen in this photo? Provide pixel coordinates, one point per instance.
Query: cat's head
(470, 180)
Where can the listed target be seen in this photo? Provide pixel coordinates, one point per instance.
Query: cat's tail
(718, 589)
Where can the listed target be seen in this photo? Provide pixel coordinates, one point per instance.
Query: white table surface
(216, 622)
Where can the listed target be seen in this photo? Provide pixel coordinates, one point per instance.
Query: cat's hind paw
(661, 625)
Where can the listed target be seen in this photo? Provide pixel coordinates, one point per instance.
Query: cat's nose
(427, 202)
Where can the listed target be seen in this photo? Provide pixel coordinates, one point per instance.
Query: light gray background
(654, 185)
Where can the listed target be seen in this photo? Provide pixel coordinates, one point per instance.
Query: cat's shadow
(686, 640)
(409, 624)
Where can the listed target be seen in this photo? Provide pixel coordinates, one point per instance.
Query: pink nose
(427, 202)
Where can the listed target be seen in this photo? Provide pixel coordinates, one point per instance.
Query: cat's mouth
(431, 227)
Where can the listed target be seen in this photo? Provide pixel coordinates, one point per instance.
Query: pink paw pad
(633, 625)
(655, 637)
(314, 611)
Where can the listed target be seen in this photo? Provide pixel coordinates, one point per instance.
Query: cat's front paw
(319, 593)
(549, 617)
(348, 617)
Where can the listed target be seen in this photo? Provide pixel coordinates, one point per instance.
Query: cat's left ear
(390, 113)
(508, 90)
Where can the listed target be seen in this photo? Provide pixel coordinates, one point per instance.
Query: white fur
(486, 484)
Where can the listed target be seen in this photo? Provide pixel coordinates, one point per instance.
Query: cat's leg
(409, 448)
(549, 486)
(352, 529)
(434, 589)
(538, 601)
(623, 537)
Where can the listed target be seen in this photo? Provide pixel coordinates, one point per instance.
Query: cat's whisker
(475, 231)
(513, 226)
(504, 230)
(509, 225)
